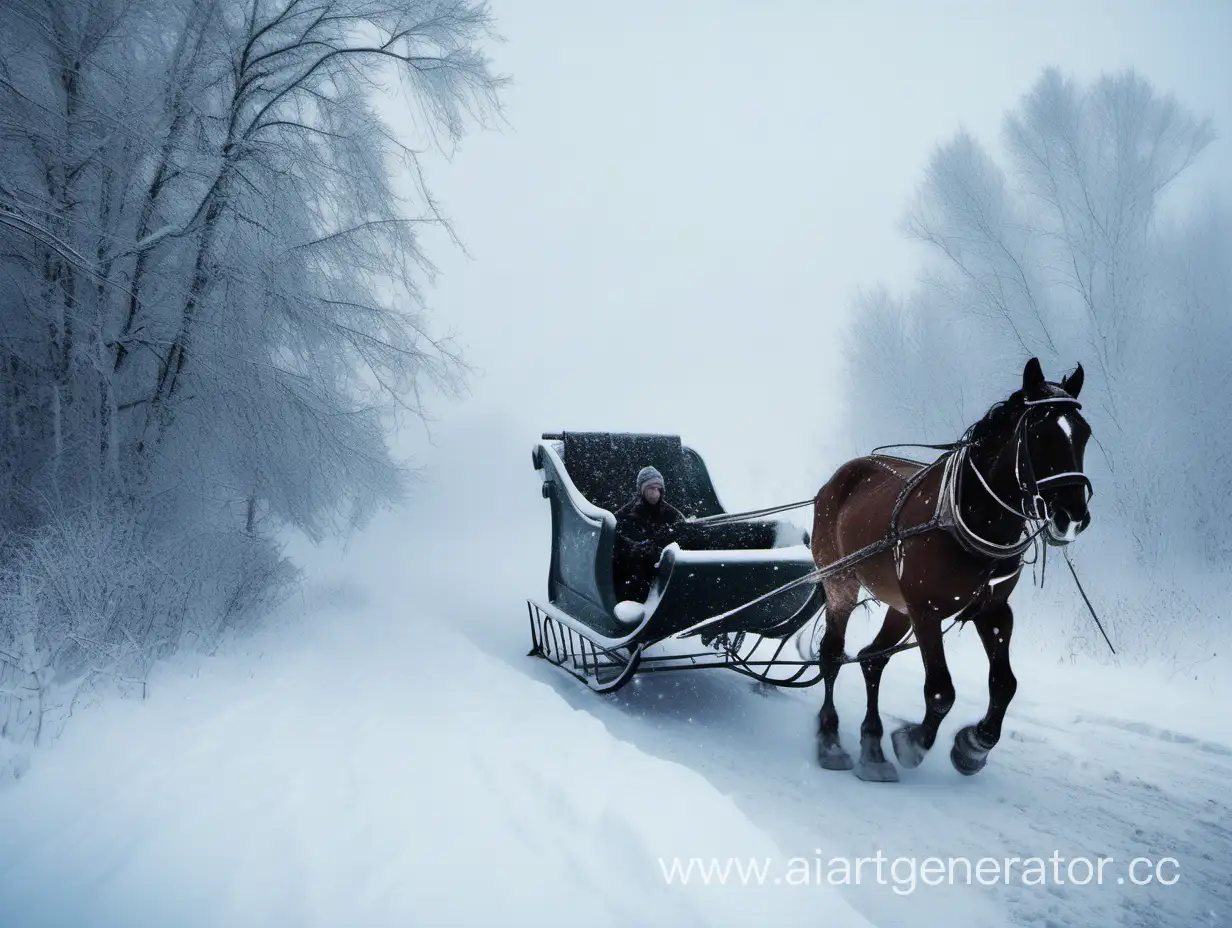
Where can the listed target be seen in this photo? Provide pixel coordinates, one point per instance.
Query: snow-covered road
(1090, 768)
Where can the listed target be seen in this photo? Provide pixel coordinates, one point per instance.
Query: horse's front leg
(972, 743)
(912, 742)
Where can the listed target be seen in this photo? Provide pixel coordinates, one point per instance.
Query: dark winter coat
(642, 532)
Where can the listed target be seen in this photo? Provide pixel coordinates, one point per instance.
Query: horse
(947, 540)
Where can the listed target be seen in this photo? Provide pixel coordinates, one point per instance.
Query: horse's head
(1053, 440)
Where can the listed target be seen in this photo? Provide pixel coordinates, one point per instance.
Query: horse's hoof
(965, 765)
(907, 748)
(968, 755)
(877, 772)
(833, 757)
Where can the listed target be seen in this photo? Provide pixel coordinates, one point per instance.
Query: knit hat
(648, 477)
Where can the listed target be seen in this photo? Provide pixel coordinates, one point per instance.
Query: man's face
(652, 494)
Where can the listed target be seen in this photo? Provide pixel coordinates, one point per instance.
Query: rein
(726, 518)
(1090, 608)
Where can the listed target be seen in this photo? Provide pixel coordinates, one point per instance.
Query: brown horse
(948, 540)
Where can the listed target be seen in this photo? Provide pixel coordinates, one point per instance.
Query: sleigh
(726, 598)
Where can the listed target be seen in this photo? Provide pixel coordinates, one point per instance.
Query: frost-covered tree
(210, 312)
(1060, 245)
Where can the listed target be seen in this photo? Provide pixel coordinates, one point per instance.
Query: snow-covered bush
(87, 604)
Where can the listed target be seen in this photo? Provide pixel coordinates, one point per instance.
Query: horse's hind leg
(972, 743)
(841, 596)
(913, 742)
(872, 764)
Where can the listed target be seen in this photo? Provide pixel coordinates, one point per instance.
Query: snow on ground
(400, 761)
(1090, 767)
(321, 782)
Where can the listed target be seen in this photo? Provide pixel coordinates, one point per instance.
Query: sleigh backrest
(604, 466)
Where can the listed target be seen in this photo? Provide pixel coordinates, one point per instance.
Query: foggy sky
(668, 233)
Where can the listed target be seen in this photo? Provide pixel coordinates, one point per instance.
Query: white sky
(669, 233)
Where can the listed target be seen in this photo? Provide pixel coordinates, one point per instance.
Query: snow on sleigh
(723, 599)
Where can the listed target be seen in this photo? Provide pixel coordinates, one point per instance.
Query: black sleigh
(723, 598)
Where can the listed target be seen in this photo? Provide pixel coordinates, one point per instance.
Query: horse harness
(946, 514)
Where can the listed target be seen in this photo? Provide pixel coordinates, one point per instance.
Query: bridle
(1034, 510)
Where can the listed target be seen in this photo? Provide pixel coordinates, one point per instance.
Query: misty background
(693, 215)
(693, 220)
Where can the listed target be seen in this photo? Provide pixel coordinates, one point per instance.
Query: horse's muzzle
(1063, 528)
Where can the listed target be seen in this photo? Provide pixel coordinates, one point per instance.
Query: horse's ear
(1032, 375)
(1073, 383)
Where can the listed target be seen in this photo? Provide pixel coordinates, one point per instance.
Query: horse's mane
(993, 421)
(1004, 414)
